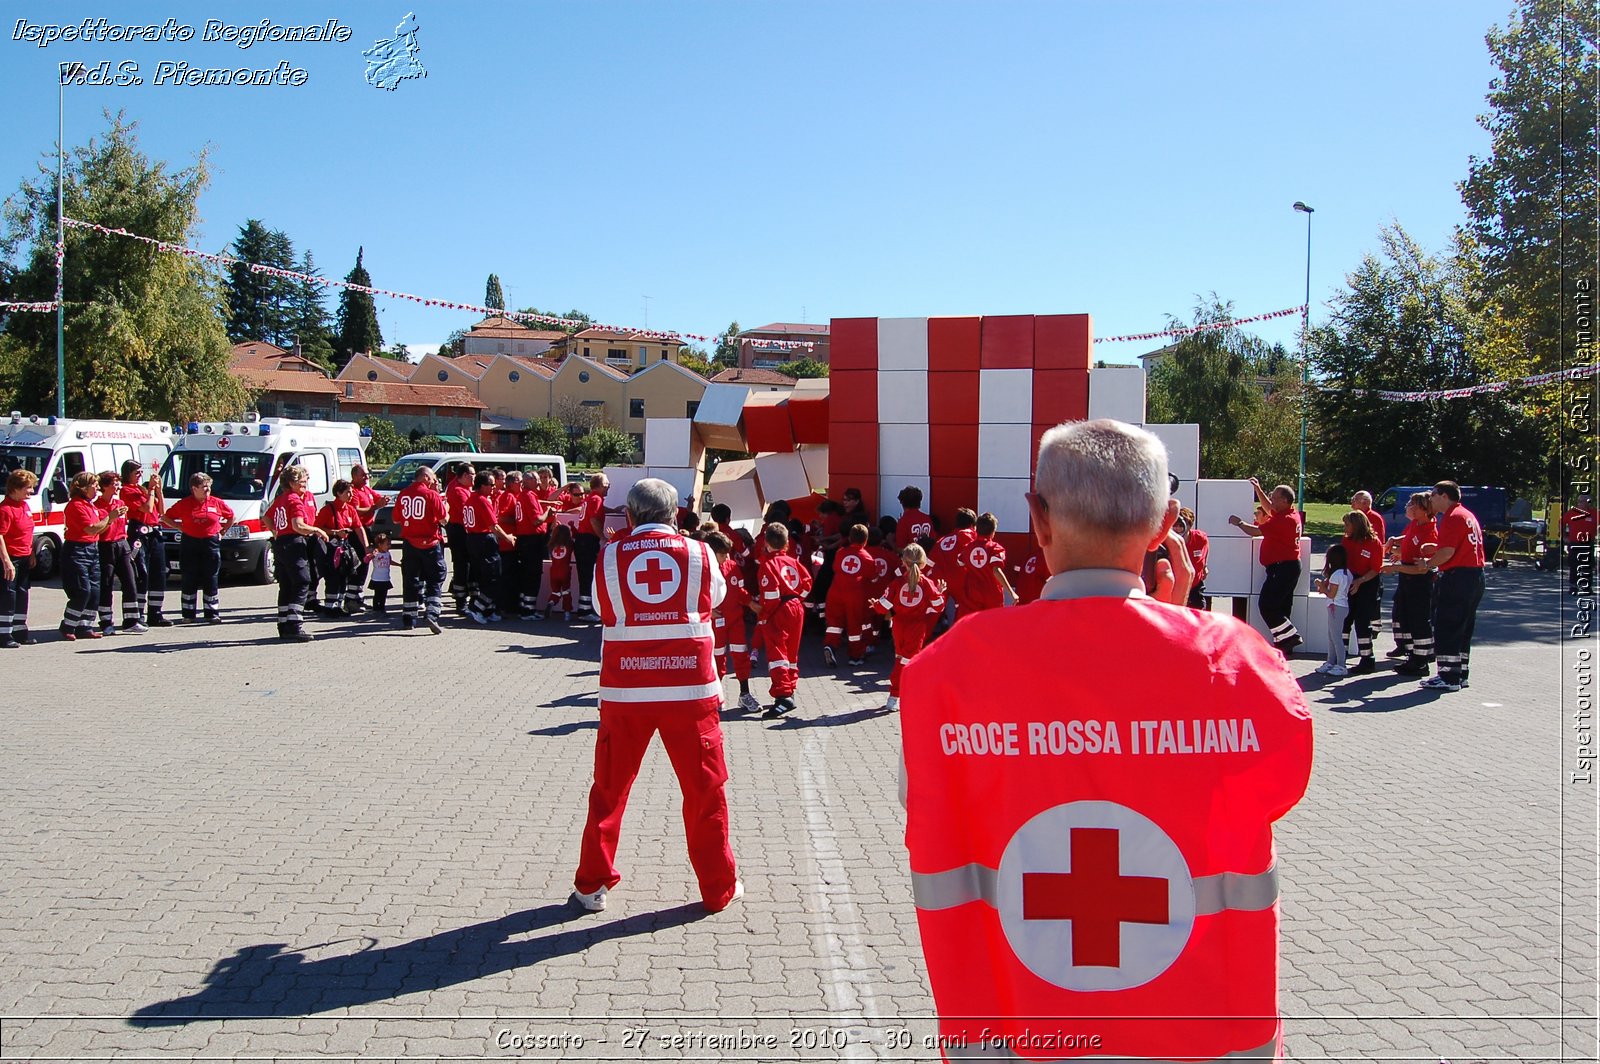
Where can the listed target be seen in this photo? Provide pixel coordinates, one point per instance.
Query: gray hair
(1104, 475)
(653, 502)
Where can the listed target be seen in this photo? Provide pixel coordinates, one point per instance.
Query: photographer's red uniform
(913, 611)
(784, 584)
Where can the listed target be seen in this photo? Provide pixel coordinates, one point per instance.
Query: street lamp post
(1305, 360)
(66, 71)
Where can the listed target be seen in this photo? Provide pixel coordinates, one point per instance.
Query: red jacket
(656, 590)
(420, 512)
(1093, 837)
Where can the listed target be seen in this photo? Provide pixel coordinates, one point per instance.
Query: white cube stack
(1005, 396)
(669, 441)
(814, 456)
(1005, 498)
(685, 481)
(782, 476)
(1117, 392)
(903, 450)
(719, 417)
(1231, 566)
(1216, 500)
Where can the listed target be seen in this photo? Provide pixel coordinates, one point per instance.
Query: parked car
(395, 479)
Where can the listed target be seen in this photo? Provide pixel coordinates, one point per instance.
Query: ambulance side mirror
(58, 494)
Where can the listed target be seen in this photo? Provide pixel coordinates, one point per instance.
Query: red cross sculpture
(654, 576)
(1096, 897)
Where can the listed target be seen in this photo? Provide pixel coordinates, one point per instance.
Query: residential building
(453, 414)
(626, 351)
(500, 335)
(757, 380)
(283, 381)
(771, 345)
(366, 368)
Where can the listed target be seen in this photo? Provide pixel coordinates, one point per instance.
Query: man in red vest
(1093, 837)
(656, 591)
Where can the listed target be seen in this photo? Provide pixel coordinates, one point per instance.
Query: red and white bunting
(1575, 373)
(1208, 327)
(42, 308)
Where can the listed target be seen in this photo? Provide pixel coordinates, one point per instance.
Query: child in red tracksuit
(560, 571)
(885, 571)
(914, 604)
(730, 630)
(845, 608)
(784, 584)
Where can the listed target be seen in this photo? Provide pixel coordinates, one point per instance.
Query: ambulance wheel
(266, 573)
(44, 551)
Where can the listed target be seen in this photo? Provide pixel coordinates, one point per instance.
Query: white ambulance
(57, 449)
(243, 459)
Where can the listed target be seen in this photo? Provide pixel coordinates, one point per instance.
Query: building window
(616, 354)
(643, 353)
(585, 350)
(372, 374)
(663, 356)
(502, 346)
(664, 352)
(583, 376)
(636, 408)
(691, 407)
(444, 375)
(515, 376)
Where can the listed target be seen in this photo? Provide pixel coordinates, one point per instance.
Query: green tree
(1405, 323)
(260, 303)
(1216, 379)
(386, 443)
(144, 338)
(454, 344)
(356, 325)
(309, 315)
(604, 445)
(694, 358)
(493, 295)
(1531, 201)
(578, 318)
(726, 353)
(804, 367)
(546, 435)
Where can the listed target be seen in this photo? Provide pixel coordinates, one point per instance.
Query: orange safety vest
(1090, 830)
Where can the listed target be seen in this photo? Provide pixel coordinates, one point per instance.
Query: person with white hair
(656, 591)
(1101, 769)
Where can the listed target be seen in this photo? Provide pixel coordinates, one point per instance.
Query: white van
(243, 459)
(57, 449)
(398, 477)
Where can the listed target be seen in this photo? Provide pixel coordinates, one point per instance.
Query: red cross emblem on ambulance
(1094, 896)
(224, 442)
(654, 576)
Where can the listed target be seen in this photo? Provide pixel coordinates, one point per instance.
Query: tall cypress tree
(493, 295)
(356, 327)
(309, 323)
(258, 301)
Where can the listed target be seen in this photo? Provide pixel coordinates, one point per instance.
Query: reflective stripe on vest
(687, 693)
(1212, 894)
(647, 632)
(985, 1050)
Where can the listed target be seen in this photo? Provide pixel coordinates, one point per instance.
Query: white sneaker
(893, 705)
(495, 618)
(595, 902)
(477, 618)
(1325, 667)
(136, 629)
(1338, 670)
(828, 658)
(538, 615)
(748, 703)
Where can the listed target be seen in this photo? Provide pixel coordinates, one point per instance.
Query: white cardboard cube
(1186, 496)
(902, 397)
(1315, 630)
(719, 419)
(1183, 449)
(902, 344)
(1005, 451)
(814, 456)
(1303, 585)
(622, 479)
(1231, 567)
(1117, 392)
(903, 450)
(1300, 614)
(1216, 500)
(668, 441)
(685, 479)
(1005, 498)
(742, 496)
(782, 476)
(1005, 396)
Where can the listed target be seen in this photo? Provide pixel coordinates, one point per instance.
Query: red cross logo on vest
(1094, 896)
(850, 564)
(654, 576)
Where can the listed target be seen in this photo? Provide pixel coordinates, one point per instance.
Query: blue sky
(787, 161)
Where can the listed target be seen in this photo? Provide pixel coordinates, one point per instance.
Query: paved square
(214, 845)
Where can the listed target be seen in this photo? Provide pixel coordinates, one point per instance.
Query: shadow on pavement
(264, 980)
(792, 723)
(567, 728)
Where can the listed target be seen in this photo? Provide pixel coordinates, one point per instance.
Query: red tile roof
(544, 367)
(502, 328)
(271, 368)
(612, 334)
(393, 394)
(754, 376)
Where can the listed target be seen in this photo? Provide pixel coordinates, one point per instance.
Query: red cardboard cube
(1062, 341)
(766, 423)
(853, 449)
(954, 343)
(853, 395)
(1060, 395)
(853, 343)
(953, 398)
(808, 414)
(1007, 342)
(949, 494)
(953, 450)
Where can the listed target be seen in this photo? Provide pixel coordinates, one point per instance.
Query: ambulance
(243, 459)
(57, 449)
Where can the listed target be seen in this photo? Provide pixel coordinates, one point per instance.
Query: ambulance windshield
(237, 476)
(33, 459)
(398, 476)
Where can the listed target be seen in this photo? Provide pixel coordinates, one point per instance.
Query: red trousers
(693, 739)
(781, 630)
(846, 616)
(908, 639)
(733, 641)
